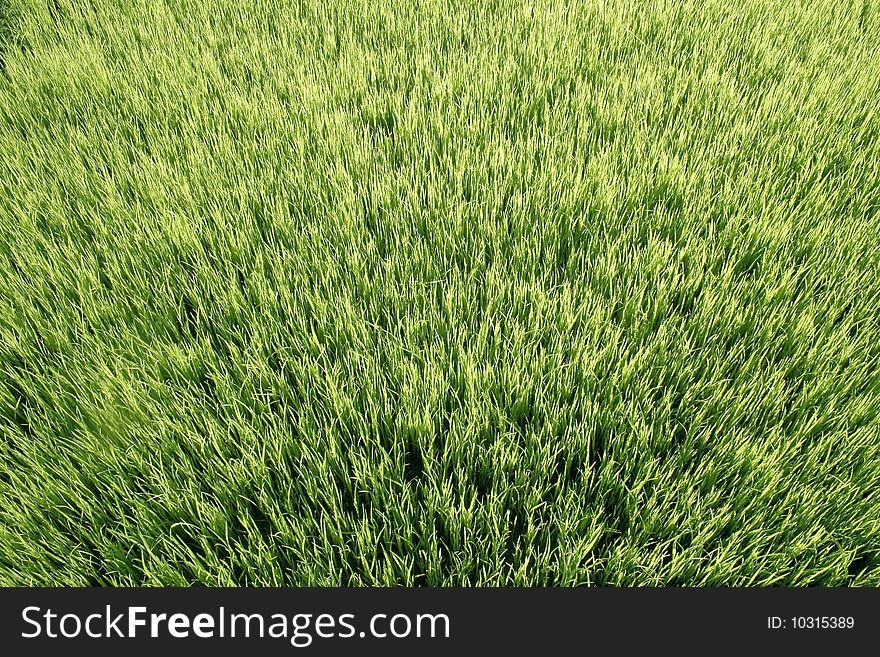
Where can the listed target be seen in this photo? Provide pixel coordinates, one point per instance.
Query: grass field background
(439, 292)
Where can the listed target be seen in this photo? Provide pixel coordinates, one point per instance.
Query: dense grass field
(440, 292)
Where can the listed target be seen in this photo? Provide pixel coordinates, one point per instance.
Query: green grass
(439, 292)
